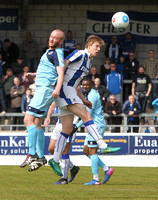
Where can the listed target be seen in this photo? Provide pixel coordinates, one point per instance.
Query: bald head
(56, 39)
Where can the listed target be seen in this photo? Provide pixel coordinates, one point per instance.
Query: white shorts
(68, 96)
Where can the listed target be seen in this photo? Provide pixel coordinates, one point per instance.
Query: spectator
(155, 105)
(132, 108)
(17, 66)
(8, 82)
(26, 98)
(103, 91)
(114, 82)
(2, 100)
(78, 46)
(93, 74)
(26, 81)
(105, 68)
(113, 49)
(2, 50)
(11, 51)
(141, 88)
(128, 45)
(148, 128)
(1, 66)
(131, 66)
(113, 107)
(16, 93)
(151, 67)
(33, 86)
(120, 66)
(69, 44)
(30, 52)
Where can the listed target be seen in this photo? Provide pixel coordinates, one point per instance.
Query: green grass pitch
(125, 183)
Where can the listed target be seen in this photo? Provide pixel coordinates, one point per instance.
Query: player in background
(90, 145)
(70, 101)
(49, 79)
(65, 160)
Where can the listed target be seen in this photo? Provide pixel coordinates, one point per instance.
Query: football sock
(95, 166)
(102, 165)
(94, 132)
(65, 165)
(40, 142)
(32, 138)
(59, 146)
(71, 165)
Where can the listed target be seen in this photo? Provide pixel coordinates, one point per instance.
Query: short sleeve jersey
(79, 67)
(46, 73)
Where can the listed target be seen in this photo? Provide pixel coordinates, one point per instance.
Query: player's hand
(74, 130)
(46, 122)
(55, 94)
(88, 103)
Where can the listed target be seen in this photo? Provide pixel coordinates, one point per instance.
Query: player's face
(55, 40)
(86, 85)
(94, 49)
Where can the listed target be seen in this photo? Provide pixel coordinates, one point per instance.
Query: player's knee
(86, 150)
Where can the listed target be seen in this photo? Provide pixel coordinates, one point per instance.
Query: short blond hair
(92, 39)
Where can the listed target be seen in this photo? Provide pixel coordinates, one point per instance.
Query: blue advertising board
(135, 144)
(8, 19)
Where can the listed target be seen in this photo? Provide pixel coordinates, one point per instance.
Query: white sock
(96, 177)
(59, 146)
(71, 165)
(102, 144)
(65, 165)
(93, 130)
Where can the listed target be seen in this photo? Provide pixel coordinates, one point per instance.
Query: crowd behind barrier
(8, 126)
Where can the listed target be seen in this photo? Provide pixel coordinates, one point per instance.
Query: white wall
(42, 19)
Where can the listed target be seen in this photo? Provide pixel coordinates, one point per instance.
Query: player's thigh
(38, 122)
(29, 120)
(86, 150)
(67, 123)
(80, 111)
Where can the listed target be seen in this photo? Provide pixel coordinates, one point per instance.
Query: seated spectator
(30, 52)
(33, 86)
(113, 49)
(114, 82)
(16, 93)
(128, 45)
(148, 128)
(93, 74)
(26, 98)
(26, 81)
(11, 51)
(155, 105)
(8, 82)
(105, 68)
(141, 88)
(103, 91)
(113, 107)
(132, 108)
(69, 44)
(18, 66)
(78, 46)
(120, 66)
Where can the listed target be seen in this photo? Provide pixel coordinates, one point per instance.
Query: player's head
(56, 39)
(86, 85)
(93, 45)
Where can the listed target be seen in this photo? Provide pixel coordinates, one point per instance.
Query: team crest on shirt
(50, 53)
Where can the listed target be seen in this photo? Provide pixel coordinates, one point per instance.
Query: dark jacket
(136, 108)
(25, 102)
(118, 108)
